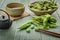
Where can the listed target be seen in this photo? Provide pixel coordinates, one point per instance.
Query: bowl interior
(30, 5)
(15, 5)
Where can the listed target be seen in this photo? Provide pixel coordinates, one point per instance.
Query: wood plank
(5, 3)
(1, 2)
(22, 35)
(48, 37)
(7, 34)
(45, 36)
(14, 34)
(58, 11)
(56, 15)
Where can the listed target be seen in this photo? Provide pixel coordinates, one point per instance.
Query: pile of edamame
(39, 22)
(43, 5)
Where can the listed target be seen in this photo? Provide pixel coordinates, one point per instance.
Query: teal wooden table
(14, 34)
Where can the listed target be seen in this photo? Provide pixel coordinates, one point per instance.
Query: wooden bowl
(15, 9)
(38, 12)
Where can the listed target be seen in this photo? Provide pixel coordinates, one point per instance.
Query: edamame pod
(32, 26)
(36, 23)
(29, 28)
(25, 25)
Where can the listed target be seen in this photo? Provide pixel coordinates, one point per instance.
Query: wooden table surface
(14, 34)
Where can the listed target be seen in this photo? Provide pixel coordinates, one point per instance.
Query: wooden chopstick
(49, 32)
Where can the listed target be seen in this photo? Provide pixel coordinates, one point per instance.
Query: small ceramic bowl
(15, 9)
(38, 12)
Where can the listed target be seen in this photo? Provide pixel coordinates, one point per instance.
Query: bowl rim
(15, 3)
(42, 11)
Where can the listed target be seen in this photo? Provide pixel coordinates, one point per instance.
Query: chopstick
(49, 32)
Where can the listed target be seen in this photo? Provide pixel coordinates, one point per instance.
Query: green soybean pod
(32, 26)
(36, 23)
(28, 30)
(52, 19)
(35, 17)
(25, 25)
(45, 21)
(53, 25)
(37, 28)
(46, 27)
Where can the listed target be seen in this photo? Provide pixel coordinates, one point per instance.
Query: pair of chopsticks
(49, 32)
